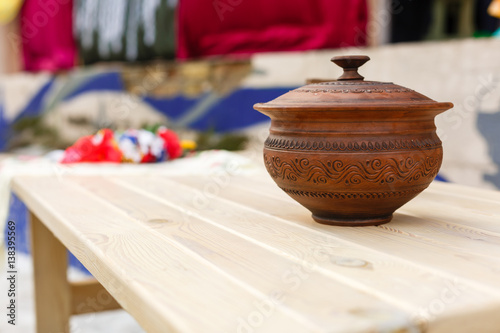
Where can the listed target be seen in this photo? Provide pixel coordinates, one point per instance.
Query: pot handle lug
(350, 64)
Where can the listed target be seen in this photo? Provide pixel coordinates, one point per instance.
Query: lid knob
(350, 65)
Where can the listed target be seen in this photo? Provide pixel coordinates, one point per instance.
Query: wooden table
(235, 254)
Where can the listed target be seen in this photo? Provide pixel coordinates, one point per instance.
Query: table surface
(228, 253)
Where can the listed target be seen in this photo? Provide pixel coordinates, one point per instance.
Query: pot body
(353, 167)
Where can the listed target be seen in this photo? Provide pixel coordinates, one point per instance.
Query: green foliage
(32, 130)
(211, 140)
(153, 128)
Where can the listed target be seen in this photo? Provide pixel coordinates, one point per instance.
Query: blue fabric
(110, 81)
(4, 128)
(236, 111)
(35, 106)
(171, 107)
(440, 178)
(228, 114)
(19, 214)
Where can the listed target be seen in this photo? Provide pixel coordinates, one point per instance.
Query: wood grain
(161, 284)
(225, 253)
(236, 255)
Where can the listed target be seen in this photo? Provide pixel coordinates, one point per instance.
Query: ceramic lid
(350, 90)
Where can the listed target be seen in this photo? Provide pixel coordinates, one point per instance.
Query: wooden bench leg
(52, 290)
(90, 296)
(56, 299)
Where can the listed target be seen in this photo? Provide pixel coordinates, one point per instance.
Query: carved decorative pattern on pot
(336, 171)
(290, 144)
(351, 195)
(345, 91)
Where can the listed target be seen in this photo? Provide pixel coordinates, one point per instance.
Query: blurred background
(69, 68)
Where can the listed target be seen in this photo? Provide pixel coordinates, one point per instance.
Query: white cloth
(208, 162)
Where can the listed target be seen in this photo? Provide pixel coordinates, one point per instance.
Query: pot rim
(350, 107)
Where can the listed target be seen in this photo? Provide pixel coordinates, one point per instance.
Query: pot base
(354, 222)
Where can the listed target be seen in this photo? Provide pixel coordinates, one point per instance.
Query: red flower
(148, 158)
(99, 148)
(172, 143)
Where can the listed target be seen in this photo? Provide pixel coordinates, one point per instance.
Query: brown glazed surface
(352, 151)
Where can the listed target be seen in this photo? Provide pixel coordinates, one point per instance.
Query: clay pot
(352, 151)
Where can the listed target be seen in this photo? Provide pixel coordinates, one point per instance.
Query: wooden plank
(472, 222)
(452, 217)
(90, 296)
(454, 203)
(52, 291)
(453, 235)
(288, 237)
(478, 207)
(451, 189)
(447, 190)
(433, 251)
(332, 303)
(483, 217)
(161, 284)
(443, 224)
(228, 227)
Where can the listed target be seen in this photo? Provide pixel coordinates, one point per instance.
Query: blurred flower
(131, 146)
